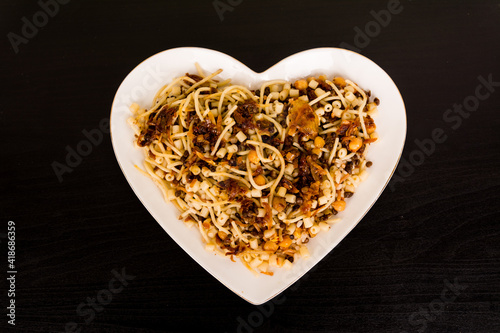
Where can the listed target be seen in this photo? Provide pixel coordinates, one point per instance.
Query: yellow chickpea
(319, 142)
(339, 205)
(355, 144)
(270, 246)
(286, 242)
(316, 151)
(260, 180)
(339, 82)
(301, 84)
(253, 157)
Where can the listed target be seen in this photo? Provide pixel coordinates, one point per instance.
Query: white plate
(143, 82)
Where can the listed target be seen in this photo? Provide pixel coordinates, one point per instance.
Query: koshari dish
(258, 172)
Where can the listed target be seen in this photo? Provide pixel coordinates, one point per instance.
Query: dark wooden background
(441, 223)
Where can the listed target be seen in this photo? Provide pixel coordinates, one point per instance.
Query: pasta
(258, 172)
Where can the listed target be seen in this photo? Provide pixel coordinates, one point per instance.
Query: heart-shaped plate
(143, 82)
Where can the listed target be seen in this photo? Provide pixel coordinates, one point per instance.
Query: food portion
(258, 172)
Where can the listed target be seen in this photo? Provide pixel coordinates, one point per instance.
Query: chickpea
(301, 84)
(339, 205)
(286, 242)
(355, 144)
(253, 157)
(316, 151)
(260, 180)
(270, 246)
(319, 142)
(339, 82)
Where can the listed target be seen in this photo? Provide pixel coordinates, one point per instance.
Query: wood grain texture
(442, 223)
